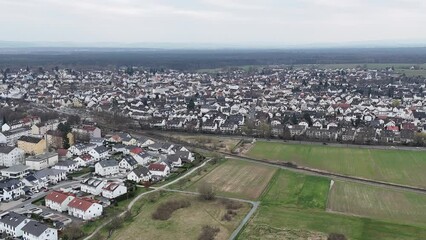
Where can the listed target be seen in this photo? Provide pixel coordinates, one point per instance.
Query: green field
(271, 222)
(398, 67)
(293, 207)
(375, 202)
(296, 190)
(397, 166)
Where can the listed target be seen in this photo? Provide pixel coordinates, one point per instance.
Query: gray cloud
(213, 21)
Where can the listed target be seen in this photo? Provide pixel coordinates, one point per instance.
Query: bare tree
(206, 191)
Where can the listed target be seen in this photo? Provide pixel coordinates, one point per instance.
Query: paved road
(36, 196)
(129, 207)
(234, 234)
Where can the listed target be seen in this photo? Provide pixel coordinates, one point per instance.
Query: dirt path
(129, 207)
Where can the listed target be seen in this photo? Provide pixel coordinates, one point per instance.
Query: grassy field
(273, 222)
(399, 67)
(296, 190)
(185, 223)
(239, 179)
(375, 202)
(397, 166)
(293, 207)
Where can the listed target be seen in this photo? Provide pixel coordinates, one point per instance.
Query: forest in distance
(102, 58)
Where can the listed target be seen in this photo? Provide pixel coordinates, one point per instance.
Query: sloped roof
(58, 196)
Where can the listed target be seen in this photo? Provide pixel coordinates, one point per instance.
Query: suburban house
(84, 160)
(33, 183)
(139, 174)
(11, 189)
(12, 223)
(128, 163)
(42, 161)
(113, 190)
(99, 152)
(84, 208)
(80, 149)
(92, 185)
(17, 171)
(144, 141)
(58, 200)
(174, 160)
(38, 231)
(143, 158)
(51, 175)
(159, 169)
(10, 156)
(106, 167)
(67, 165)
(92, 131)
(32, 145)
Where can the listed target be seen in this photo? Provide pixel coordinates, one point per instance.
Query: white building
(159, 169)
(140, 174)
(99, 152)
(92, 185)
(85, 209)
(12, 223)
(58, 200)
(11, 189)
(17, 171)
(42, 161)
(113, 190)
(80, 149)
(10, 156)
(106, 168)
(128, 163)
(67, 165)
(37, 231)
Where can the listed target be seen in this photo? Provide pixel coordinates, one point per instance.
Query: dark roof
(108, 163)
(66, 163)
(34, 228)
(12, 219)
(100, 149)
(130, 160)
(141, 171)
(6, 149)
(30, 139)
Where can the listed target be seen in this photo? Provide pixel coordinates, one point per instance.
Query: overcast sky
(213, 21)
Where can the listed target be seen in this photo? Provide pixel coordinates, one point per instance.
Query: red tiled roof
(136, 150)
(157, 167)
(89, 128)
(110, 186)
(393, 128)
(81, 203)
(58, 196)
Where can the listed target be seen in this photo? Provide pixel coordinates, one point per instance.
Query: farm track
(295, 168)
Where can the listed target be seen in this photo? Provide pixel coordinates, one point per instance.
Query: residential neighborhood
(45, 186)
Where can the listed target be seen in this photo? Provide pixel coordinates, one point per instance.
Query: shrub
(165, 210)
(336, 236)
(229, 215)
(153, 197)
(206, 191)
(208, 233)
(230, 204)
